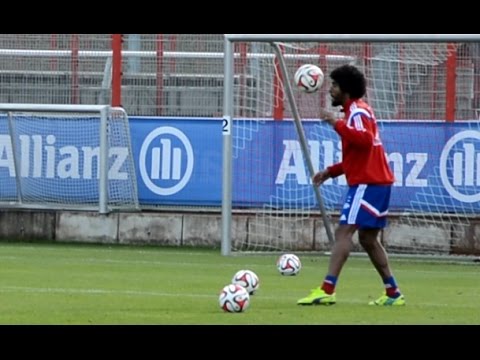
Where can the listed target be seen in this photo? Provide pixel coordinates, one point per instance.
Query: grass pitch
(99, 284)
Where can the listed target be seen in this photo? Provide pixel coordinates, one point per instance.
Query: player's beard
(336, 101)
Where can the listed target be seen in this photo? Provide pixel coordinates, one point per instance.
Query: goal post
(71, 157)
(425, 91)
(302, 139)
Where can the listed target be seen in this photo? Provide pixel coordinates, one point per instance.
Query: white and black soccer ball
(309, 78)
(289, 264)
(248, 279)
(234, 299)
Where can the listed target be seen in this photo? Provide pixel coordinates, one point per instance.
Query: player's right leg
(325, 294)
(371, 217)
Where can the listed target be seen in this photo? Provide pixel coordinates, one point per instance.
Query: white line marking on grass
(96, 291)
(22, 289)
(162, 262)
(120, 249)
(159, 262)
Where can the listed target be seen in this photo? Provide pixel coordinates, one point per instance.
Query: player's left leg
(371, 218)
(368, 238)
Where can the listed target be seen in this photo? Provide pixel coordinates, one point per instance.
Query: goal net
(66, 157)
(425, 93)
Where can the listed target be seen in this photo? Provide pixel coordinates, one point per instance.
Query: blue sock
(391, 287)
(332, 279)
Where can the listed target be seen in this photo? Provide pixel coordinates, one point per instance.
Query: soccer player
(369, 180)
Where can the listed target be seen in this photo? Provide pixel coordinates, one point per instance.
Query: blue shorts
(366, 206)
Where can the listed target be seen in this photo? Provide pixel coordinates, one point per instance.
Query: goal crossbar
(54, 108)
(354, 37)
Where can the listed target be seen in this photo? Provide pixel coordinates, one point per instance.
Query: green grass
(98, 284)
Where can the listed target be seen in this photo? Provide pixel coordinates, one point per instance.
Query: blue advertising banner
(179, 162)
(435, 164)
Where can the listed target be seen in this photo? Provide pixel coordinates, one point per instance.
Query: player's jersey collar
(346, 106)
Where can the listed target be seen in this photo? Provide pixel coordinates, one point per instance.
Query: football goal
(72, 157)
(425, 92)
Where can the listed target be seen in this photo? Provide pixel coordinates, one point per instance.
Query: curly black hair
(350, 80)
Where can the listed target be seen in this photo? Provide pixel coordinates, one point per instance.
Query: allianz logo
(166, 160)
(460, 166)
(457, 169)
(40, 157)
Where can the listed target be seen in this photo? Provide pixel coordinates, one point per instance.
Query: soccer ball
(289, 264)
(309, 78)
(234, 298)
(248, 279)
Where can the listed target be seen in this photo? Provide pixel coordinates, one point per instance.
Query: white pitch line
(96, 291)
(21, 289)
(114, 248)
(161, 262)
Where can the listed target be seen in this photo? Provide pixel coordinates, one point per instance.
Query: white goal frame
(228, 104)
(103, 111)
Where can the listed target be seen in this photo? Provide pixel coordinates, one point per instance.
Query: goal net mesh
(435, 198)
(53, 160)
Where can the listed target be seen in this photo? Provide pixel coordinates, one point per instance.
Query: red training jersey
(363, 156)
